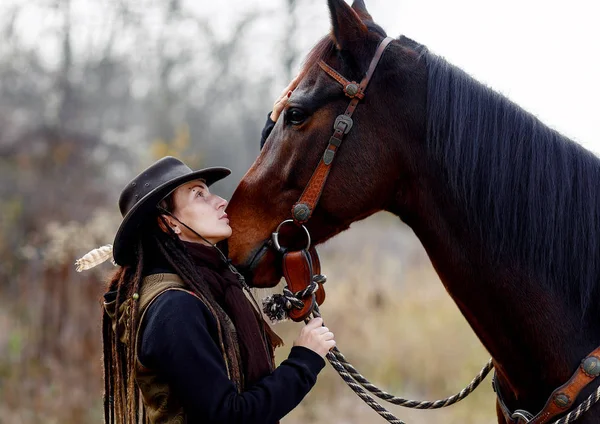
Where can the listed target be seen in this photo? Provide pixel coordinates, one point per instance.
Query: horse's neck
(535, 338)
(514, 317)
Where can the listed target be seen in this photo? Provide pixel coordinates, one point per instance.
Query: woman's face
(201, 210)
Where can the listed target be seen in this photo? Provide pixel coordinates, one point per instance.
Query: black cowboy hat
(139, 199)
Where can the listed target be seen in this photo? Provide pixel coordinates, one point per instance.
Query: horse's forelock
(319, 52)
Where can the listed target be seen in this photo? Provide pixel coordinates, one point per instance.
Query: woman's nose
(220, 202)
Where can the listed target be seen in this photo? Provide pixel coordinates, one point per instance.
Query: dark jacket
(179, 340)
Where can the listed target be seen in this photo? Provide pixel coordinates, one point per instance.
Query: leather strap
(343, 81)
(561, 399)
(299, 267)
(304, 207)
(518, 417)
(316, 266)
(297, 270)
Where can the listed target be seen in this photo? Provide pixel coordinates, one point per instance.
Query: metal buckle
(275, 236)
(346, 120)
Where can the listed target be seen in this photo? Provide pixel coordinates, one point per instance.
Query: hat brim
(143, 209)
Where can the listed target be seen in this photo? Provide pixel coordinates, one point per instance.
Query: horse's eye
(295, 116)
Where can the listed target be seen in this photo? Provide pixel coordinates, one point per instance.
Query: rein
(304, 292)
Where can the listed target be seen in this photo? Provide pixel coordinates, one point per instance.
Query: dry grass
(391, 316)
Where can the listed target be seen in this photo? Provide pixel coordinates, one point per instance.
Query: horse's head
(371, 167)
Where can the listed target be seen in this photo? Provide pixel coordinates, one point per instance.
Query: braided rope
(387, 415)
(408, 403)
(581, 409)
(277, 307)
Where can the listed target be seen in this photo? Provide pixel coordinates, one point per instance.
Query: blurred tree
(90, 93)
(290, 50)
(77, 122)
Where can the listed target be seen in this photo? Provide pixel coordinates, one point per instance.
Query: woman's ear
(164, 221)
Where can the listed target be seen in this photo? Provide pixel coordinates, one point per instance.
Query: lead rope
(357, 377)
(276, 307)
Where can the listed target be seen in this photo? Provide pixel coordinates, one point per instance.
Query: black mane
(531, 194)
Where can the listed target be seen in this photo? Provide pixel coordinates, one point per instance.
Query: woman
(180, 326)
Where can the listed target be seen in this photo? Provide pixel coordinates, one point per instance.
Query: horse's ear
(348, 28)
(361, 10)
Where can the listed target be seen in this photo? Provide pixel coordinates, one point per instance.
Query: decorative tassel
(95, 257)
(276, 307)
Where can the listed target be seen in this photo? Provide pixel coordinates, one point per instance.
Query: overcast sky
(543, 54)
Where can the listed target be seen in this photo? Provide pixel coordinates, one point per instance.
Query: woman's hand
(316, 337)
(283, 98)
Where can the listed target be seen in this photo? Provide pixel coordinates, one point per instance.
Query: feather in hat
(94, 258)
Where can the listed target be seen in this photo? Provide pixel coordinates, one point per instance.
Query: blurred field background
(91, 92)
(391, 316)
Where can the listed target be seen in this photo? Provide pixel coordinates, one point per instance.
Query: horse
(507, 209)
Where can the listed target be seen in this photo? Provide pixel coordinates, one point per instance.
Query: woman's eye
(199, 193)
(295, 116)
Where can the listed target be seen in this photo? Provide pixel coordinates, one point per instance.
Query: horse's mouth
(263, 268)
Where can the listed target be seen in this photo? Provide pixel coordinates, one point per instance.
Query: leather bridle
(305, 206)
(302, 268)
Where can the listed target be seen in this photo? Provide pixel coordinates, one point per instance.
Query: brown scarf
(256, 339)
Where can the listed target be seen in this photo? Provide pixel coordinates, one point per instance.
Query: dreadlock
(121, 398)
(121, 393)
